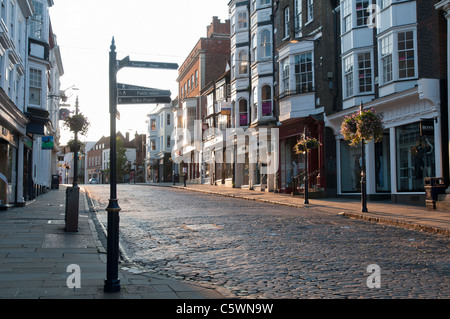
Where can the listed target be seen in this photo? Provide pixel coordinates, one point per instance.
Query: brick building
(307, 87)
(205, 63)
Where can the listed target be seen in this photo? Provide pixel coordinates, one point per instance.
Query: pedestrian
(184, 175)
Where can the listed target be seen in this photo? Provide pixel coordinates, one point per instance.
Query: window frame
(35, 83)
(243, 113)
(265, 44)
(361, 12)
(243, 63)
(242, 22)
(287, 20)
(348, 67)
(367, 72)
(309, 10)
(393, 57)
(298, 12)
(266, 89)
(299, 83)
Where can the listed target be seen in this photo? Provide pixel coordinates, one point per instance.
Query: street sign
(147, 65)
(126, 90)
(122, 86)
(144, 93)
(144, 100)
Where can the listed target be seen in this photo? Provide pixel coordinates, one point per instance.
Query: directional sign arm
(148, 65)
(143, 100)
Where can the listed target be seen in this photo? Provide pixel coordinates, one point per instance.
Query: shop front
(8, 168)
(12, 154)
(409, 152)
(292, 165)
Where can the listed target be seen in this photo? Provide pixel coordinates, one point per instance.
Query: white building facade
(251, 81)
(15, 145)
(158, 161)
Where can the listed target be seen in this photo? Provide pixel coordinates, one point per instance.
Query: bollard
(72, 203)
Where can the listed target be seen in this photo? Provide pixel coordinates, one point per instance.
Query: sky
(154, 31)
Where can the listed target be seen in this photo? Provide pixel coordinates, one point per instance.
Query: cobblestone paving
(257, 250)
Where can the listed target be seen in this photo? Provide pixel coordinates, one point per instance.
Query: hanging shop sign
(427, 127)
(47, 142)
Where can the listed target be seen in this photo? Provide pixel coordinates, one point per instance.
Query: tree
(121, 164)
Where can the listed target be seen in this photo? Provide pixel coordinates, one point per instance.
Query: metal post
(112, 282)
(363, 172)
(306, 171)
(363, 178)
(75, 157)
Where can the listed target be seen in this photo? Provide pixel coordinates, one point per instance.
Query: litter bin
(72, 206)
(55, 181)
(433, 187)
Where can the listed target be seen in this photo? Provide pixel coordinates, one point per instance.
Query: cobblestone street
(256, 250)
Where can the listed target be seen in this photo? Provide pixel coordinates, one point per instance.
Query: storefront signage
(427, 127)
(47, 142)
(6, 134)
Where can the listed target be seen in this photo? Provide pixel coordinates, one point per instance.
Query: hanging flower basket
(71, 144)
(77, 123)
(363, 125)
(306, 144)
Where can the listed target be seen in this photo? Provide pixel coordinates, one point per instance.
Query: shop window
(383, 165)
(291, 164)
(351, 164)
(415, 158)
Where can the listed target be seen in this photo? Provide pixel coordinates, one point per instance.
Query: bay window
(284, 75)
(243, 63)
(242, 20)
(304, 72)
(386, 59)
(346, 16)
(406, 56)
(266, 100)
(348, 76)
(266, 47)
(361, 12)
(365, 72)
(243, 112)
(398, 56)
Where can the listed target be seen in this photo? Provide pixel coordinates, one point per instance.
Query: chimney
(127, 137)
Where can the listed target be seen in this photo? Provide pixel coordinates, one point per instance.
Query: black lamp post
(75, 157)
(112, 282)
(306, 170)
(363, 172)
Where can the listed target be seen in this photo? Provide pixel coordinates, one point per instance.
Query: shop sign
(6, 134)
(47, 142)
(427, 127)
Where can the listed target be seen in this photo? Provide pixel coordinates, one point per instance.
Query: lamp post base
(112, 286)
(112, 282)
